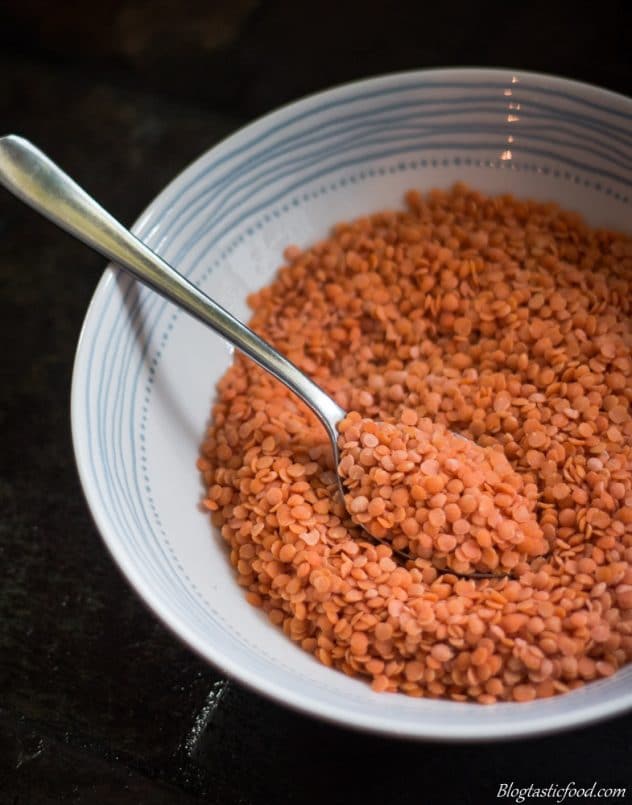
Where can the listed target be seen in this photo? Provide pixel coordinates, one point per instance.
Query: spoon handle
(35, 179)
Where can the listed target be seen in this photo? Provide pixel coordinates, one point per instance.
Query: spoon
(31, 176)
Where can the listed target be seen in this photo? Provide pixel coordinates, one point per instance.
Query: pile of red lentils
(507, 322)
(431, 493)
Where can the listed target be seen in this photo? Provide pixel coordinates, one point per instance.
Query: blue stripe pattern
(319, 146)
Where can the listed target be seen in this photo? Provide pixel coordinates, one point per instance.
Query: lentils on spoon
(437, 496)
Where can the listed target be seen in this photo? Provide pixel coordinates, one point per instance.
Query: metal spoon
(31, 176)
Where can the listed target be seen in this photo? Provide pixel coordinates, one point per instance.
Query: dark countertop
(99, 703)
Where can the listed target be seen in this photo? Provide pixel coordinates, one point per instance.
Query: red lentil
(506, 321)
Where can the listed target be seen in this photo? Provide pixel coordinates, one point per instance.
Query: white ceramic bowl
(145, 373)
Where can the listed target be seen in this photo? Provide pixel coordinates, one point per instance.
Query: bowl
(145, 373)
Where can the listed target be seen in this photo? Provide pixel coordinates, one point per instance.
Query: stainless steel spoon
(31, 176)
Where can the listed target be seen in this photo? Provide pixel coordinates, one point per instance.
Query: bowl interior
(145, 373)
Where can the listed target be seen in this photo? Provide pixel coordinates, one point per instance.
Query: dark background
(98, 702)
